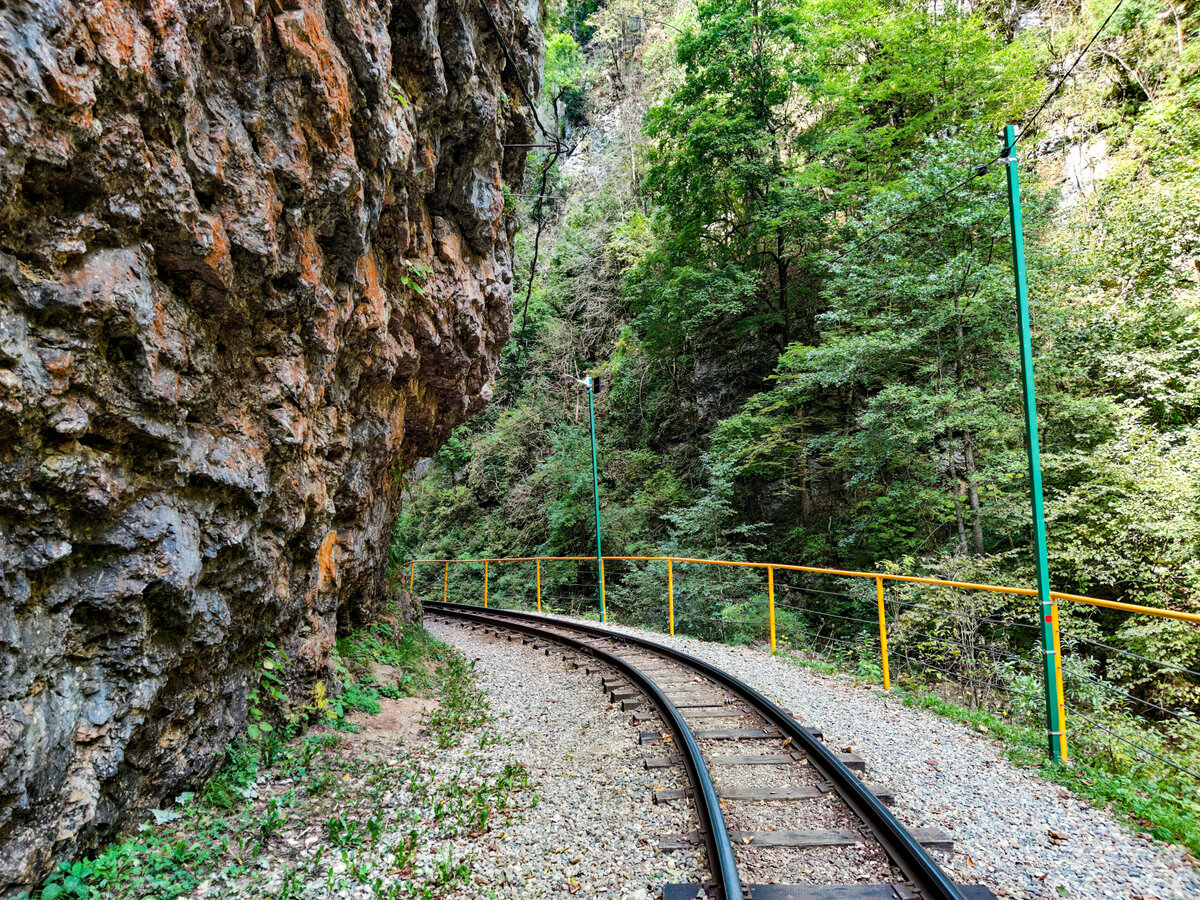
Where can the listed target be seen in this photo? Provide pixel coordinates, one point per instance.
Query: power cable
(1129, 653)
(1028, 126)
(1125, 695)
(1004, 154)
(978, 171)
(517, 74)
(656, 22)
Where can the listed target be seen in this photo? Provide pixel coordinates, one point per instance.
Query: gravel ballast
(947, 776)
(592, 832)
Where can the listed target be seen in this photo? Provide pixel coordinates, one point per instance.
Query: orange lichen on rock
(327, 562)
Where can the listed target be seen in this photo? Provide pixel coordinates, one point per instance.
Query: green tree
(912, 384)
(737, 209)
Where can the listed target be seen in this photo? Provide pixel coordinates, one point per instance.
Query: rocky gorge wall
(254, 256)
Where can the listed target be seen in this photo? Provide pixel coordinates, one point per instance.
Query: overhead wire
(1125, 695)
(982, 168)
(558, 147)
(1026, 128)
(554, 138)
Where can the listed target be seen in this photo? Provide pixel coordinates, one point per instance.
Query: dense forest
(777, 233)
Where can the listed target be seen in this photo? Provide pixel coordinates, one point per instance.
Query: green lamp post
(1050, 673)
(590, 383)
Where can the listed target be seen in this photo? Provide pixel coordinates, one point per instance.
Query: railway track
(708, 720)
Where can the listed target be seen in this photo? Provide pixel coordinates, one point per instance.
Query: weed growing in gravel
(464, 707)
(816, 665)
(313, 816)
(412, 652)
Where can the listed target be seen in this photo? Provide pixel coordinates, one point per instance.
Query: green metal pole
(596, 496)
(1054, 725)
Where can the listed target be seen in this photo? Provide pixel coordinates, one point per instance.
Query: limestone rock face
(254, 258)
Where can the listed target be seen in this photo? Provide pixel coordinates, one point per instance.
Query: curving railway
(706, 720)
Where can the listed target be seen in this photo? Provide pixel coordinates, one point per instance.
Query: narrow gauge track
(643, 669)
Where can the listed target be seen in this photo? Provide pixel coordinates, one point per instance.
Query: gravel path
(592, 832)
(947, 776)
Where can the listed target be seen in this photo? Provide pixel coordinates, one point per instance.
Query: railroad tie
(849, 760)
(705, 711)
(742, 734)
(841, 837)
(735, 734)
(788, 793)
(898, 891)
(930, 838)
(760, 759)
(660, 762)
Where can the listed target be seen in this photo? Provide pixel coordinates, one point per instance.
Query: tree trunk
(973, 493)
(781, 266)
(958, 492)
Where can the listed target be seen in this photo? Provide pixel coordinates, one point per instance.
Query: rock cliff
(254, 258)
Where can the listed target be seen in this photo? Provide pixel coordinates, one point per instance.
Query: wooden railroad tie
(736, 734)
(929, 838)
(796, 792)
(705, 712)
(850, 760)
(897, 891)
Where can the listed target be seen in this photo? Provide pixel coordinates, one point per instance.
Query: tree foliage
(788, 377)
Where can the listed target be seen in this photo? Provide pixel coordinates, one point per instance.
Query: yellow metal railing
(848, 573)
(771, 568)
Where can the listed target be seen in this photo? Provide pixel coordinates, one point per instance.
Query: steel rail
(901, 847)
(721, 859)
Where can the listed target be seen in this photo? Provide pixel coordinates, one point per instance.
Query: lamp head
(586, 381)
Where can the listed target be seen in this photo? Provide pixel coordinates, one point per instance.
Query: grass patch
(412, 651)
(464, 707)
(815, 665)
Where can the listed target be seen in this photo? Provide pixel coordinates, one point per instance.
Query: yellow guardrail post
(446, 583)
(485, 565)
(539, 584)
(771, 603)
(412, 574)
(670, 597)
(1062, 715)
(883, 653)
(603, 611)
